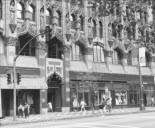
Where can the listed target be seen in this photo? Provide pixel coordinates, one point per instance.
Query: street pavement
(136, 120)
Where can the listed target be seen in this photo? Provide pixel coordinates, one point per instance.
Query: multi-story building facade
(92, 48)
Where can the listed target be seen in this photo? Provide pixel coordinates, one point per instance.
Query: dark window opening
(29, 49)
(59, 18)
(55, 49)
(94, 28)
(101, 29)
(1, 9)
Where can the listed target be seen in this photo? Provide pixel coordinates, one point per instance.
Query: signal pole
(14, 73)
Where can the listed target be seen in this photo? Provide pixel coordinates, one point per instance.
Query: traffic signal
(47, 33)
(9, 78)
(18, 78)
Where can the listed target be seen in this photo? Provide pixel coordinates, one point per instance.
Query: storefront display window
(121, 97)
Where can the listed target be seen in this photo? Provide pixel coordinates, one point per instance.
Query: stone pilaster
(108, 58)
(11, 49)
(88, 57)
(0, 102)
(43, 101)
(124, 60)
(66, 87)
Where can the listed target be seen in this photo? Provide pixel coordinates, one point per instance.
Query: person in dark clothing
(26, 110)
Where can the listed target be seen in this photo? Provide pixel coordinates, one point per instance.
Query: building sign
(142, 60)
(54, 65)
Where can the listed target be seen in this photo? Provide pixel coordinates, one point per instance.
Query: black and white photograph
(77, 63)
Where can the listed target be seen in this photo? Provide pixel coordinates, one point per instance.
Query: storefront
(124, 89)
(30, 90)
(32, 97)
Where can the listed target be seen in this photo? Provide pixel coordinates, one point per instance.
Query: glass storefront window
(133, 98)
(121, 97)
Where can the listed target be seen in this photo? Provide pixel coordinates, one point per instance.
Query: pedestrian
(83, 104)
(20, 110)
(26, 110)
(50, 108)
(103, 103)
(75, 104)
(108, 104)
(152, 101)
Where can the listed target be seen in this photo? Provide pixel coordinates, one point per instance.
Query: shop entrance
(7, 102)
(54, 92)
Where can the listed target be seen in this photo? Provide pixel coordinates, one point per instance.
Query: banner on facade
(54, 65)
(142, 60)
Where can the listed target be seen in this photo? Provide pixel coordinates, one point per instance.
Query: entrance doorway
(54, 92)
(7, 102)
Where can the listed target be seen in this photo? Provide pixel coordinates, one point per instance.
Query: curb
(72, 117)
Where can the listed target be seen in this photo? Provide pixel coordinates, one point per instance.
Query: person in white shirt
(50, 108)
(82, 104)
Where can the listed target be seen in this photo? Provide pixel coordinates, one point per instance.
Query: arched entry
(54, 82)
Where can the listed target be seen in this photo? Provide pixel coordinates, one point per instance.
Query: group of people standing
(105, 104)
(76, 105)
(24, 110)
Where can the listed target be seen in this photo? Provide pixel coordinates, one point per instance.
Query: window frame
(98, 54)
(31, 9)
(29, 50)
(20, 11)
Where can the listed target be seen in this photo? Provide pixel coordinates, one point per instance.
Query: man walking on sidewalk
(82, 104)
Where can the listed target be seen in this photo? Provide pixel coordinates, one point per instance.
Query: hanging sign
(142, 59)
(54, 65)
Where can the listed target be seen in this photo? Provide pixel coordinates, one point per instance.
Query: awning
(26, 83)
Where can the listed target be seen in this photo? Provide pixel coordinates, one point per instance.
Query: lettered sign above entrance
(54, 65)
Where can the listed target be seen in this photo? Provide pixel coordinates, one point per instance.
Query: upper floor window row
(21, 11)
(48, 14)
(0, 9)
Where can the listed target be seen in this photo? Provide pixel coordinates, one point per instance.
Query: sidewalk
(71, 115)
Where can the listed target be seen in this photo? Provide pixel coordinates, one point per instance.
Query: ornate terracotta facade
(119, 26)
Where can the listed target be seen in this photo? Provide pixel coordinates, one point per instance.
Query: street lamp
(14, 72)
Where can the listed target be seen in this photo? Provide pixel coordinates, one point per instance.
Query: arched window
(101, 29)
(98, 53)
(0, 9)
(48, 16)
(73, 19)
(59, 18)
(20, 11)
(117, 56)
(76, 52)
(32, 12)
(129, 58)
(94, 28)
(81, 23)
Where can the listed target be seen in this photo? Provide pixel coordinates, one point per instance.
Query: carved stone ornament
(12, 27)
(11, 41)
(27, 27)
